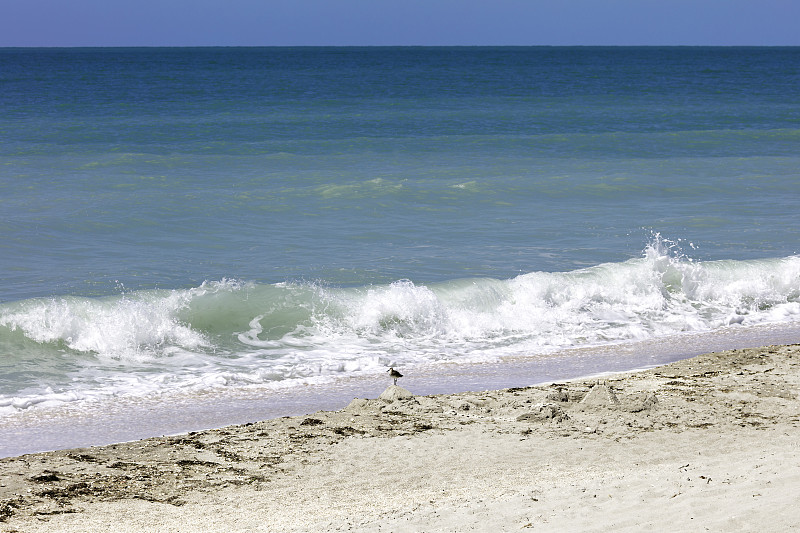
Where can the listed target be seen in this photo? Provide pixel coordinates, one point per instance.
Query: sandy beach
(705, 444)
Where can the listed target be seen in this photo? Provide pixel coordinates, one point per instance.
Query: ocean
(191, 237)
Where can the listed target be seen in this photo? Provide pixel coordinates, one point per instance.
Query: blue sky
(398, 22)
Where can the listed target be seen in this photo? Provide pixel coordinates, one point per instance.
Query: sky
(398, 22)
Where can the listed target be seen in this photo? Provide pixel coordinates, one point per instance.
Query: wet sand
(705, 444)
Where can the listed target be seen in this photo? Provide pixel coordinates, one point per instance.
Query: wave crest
(230, 333)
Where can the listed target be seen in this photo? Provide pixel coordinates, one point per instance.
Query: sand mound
(395, 392)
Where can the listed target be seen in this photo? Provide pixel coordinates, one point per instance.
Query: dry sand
(706, 444)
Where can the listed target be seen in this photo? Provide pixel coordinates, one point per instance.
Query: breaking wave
(232, 333)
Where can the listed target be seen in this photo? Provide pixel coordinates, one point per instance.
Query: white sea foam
(126, 327)
(232, 334)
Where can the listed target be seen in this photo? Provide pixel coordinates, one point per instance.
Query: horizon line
(407, 46)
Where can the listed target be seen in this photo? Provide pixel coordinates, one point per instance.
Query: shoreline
(135, 418)
(706, 442)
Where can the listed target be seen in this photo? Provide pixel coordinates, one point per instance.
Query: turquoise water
(204, 219)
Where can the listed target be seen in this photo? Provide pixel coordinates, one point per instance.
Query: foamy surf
(232, 334)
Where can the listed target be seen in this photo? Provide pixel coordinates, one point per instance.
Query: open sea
(191, 237)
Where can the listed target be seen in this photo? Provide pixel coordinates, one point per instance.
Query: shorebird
(394, 374)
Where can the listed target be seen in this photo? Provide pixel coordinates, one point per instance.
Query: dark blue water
(165, 168)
